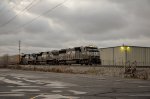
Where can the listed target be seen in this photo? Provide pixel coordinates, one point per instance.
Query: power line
(9, 9)
(37, 1)
(11, 19)
(49, 10)
(2, 25)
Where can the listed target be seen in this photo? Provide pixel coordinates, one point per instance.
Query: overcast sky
(103, 23)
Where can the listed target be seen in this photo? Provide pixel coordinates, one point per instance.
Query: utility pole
(19, 50)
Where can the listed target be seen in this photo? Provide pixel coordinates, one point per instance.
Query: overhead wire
(47, 11)
(33, 5)
(11, 19)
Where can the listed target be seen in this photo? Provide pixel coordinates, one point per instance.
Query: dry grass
(57, 69)
(104, 71)
(142, 75)
(74, 70)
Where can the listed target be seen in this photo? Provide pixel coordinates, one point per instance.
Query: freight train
(87, 55)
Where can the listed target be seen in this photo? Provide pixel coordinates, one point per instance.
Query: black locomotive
(87, 55)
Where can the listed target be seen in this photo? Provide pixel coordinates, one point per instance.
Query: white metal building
(125, 55)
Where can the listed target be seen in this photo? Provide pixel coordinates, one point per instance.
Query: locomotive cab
(93, 55)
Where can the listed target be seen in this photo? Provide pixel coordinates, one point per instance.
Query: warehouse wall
(119, 56)
(106, 56)
(112, 56)
(139, 56)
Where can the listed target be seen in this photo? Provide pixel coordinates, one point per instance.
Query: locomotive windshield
(93, 51)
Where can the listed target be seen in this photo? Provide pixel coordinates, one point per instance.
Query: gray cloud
(77, 22)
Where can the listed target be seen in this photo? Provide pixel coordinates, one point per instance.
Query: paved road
(17, 84)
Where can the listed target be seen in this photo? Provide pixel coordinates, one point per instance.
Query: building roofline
(125, 45)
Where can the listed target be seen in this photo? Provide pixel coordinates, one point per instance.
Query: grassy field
(142, 73)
